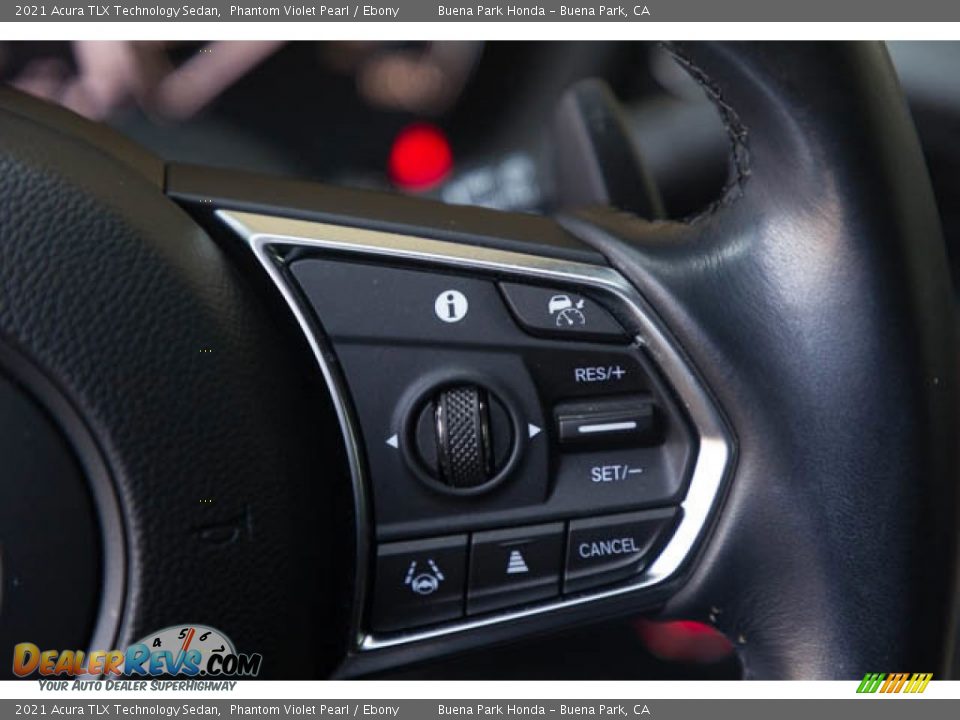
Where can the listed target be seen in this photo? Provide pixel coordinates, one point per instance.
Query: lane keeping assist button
(419, 582)
(606, 550)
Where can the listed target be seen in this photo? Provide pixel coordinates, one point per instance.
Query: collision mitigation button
(419, 582)
(606, 550)
(553, 312)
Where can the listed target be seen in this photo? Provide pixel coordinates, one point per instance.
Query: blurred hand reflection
(108, 77)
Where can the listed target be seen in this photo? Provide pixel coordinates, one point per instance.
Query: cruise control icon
(425, 582)
(568, 312)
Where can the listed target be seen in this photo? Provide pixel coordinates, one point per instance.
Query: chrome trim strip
(261, 247)
(263, 233)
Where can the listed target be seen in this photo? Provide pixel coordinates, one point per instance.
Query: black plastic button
(357, 301)
(607, 422)
(513, 567)
(560, 313)
(419, 583)
(606, 550)
(615, 480)
(566, 372)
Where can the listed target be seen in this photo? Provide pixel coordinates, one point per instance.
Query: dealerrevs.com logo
(179, 650)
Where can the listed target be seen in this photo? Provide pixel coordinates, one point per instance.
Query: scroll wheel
(464, 445)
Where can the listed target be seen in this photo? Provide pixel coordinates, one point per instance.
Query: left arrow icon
(393, 441)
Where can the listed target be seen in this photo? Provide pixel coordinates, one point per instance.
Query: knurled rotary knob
(464, 436)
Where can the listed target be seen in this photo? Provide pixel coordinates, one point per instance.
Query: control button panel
(523, 436)
(606, 550)
(554, 312)
(513, 426)
(514, 567)
(419, 582)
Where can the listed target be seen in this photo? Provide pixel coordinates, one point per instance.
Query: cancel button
(614, 548)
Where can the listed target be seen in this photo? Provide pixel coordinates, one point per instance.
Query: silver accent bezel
(264, 234)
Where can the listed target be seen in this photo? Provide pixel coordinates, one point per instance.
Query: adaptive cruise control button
(609, 549)
(560, 313)
(419, 583)
(516, 566)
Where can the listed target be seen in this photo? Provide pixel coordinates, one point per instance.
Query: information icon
(451, 306)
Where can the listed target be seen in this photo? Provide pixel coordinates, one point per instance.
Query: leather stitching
(737, 133)
(733, 190)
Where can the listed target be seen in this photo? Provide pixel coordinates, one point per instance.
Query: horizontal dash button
(606, 422)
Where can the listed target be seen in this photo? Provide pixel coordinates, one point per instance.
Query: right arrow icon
(533, 430)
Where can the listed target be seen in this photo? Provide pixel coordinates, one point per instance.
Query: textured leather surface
(41, 474)
(815, 301)
(187, 384)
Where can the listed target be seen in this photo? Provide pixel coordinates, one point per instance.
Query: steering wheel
(209, 419)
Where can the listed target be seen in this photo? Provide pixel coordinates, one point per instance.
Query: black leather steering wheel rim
(814, 299)
(196, 398)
